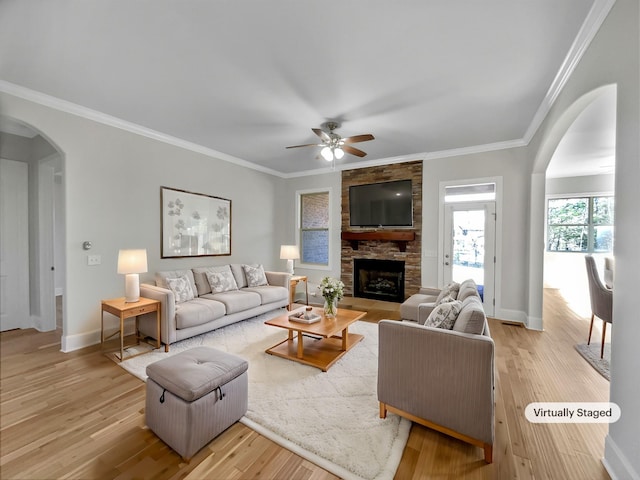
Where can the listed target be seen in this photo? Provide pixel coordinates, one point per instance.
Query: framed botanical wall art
(194, 224)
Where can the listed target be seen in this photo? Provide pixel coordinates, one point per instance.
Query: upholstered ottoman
(194, 396)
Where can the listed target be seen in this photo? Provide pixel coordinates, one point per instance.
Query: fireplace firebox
(378, 279)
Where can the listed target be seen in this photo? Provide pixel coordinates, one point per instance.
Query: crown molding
(425, 156)
(99, 117)
(592, 23)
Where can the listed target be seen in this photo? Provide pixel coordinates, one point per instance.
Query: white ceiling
(247, 78)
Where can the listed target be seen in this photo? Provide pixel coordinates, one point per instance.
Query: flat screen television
(386, 204)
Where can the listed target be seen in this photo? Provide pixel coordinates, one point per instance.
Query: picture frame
(194, 224)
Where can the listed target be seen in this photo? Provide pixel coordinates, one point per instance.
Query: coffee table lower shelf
(321, 353)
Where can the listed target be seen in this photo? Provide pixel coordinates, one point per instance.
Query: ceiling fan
(333, 145)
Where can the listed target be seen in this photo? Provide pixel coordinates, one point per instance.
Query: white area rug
(331, 419)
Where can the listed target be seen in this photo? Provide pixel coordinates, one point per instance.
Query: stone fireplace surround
(384, 249)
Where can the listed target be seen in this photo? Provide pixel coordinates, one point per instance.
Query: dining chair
(601, 300)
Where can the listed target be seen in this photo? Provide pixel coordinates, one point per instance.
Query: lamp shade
(132, 261)
(289, 252)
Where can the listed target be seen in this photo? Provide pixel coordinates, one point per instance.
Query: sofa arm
(279, 279)
(167, 313)
(441, 376)
(424, 310)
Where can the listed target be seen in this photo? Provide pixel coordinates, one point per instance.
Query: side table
(295, 280)
(123, 310)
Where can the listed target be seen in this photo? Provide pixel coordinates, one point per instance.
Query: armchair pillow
(450, 290)
(181, 288)
(444, 315)
(255, 275)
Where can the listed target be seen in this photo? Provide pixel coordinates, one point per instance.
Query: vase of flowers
(332, 290)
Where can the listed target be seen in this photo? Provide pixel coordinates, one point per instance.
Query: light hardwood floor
(80, 416)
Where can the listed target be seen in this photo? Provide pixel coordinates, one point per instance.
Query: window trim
(590, 225)
(299, 194)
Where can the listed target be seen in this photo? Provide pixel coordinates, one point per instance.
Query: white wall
(333, 182)
(513, 166)
(583, 185)
(112, 198)
(612, 58)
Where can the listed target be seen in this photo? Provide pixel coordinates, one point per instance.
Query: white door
(469, 247)
(14, 245)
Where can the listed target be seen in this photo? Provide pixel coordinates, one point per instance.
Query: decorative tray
(303, 317)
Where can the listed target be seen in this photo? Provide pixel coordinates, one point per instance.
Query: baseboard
(516, 316)
(534, 323)
(616, 463)
(69, 343)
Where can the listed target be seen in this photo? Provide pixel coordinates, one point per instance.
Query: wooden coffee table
(320, 353)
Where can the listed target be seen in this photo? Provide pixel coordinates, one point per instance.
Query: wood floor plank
(79, 415)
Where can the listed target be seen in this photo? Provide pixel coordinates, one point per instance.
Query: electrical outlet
(94, 260)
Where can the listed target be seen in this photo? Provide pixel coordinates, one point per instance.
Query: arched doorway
(43, 262)
(544, 157)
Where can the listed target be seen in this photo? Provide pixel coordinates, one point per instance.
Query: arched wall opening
(537, 200)
(26, 143)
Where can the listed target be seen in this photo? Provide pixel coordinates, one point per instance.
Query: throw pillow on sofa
(255, 275)
(450, 290)
(444, 315)
(181, 288)
(222, 281)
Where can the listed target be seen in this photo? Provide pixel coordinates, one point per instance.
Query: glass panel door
(469, 250)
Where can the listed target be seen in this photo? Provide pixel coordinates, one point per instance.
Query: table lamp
(131, 263)
(290, 253)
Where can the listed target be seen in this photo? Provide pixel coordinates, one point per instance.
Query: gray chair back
(601, 297)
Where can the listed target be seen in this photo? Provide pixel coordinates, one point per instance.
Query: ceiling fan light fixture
(339, 153)
(327, 154)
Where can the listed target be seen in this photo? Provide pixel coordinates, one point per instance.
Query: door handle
(446, 263)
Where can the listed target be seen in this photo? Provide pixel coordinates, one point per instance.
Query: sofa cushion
(444, 315)
(467, 288)
(222, 281)
(236, 300)
(181, 288)
(198, 311)
(255, 275)
(161, 278)
(471, 318)
(409, 308)
(269, 293)
(238, 273)
(200, 277)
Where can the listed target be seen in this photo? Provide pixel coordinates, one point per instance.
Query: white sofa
(208, 310)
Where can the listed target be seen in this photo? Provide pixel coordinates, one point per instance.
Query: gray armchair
(601, 300)
(441, 379)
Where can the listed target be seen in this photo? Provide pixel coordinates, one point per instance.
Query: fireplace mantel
(400, 237)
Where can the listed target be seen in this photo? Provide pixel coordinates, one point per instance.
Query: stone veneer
(384, 250)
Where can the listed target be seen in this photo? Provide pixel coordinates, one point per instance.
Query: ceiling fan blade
(353, 151)
(306, 145)
(321, 134)
(359, 138)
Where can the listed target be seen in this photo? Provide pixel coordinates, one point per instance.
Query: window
(481, 192)
(580, 224)
(314, 228)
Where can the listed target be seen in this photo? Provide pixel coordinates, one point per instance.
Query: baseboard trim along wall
(615, 462)
(69, 343)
